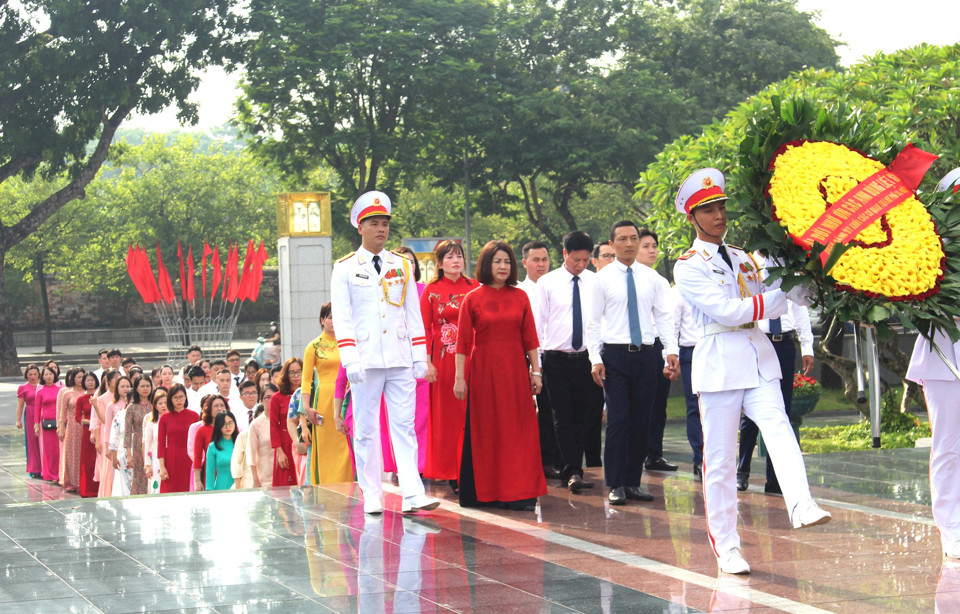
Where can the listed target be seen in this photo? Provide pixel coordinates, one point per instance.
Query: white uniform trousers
(720, 416)
(399, 388)
(944, 415)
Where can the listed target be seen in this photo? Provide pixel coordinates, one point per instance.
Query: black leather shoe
(576, 483)
(617, 496)
(659, 464)
(637, 494)
(743, 481)
(772, 488)
(698, 472)
(551, 473)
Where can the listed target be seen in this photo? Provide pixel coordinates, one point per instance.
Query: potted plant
(806, 393)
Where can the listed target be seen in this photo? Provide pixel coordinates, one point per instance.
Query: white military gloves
(802, 294)
(355, 373)
(419, 369)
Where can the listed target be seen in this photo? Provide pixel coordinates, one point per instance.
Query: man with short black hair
(603, 255)
(575, 400)
(248, 399)
(536, 262)
(628, 306)
(648, 255)
(229, 391)
(115, 356)
(127, 363)
(196, 378)
(233, 365)
(104, 363)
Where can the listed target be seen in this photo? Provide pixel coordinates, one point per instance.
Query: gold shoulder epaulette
(345, 257)
(687, 254)
(735, 247)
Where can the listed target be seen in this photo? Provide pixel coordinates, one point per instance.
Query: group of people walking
(487, 384)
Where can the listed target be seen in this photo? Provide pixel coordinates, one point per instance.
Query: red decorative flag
(183, 277)
(163, 278)
(217, 272)
(246, 279)
(147, 273)
(134, 273)
(911, 164)
(231, 285)
(207, 252)
(258, 278)
(191, 290)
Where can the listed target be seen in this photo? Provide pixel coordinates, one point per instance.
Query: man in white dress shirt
(735, 367)
(688, 334)
(536, 262)
(561, 297)
(382, 344)
(648, 255)
(626, 300)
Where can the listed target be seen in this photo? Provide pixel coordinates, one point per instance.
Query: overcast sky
(864, 26)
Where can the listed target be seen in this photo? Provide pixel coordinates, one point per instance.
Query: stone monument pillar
(304, 248)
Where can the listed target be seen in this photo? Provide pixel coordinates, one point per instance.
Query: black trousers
(694, 427)
(575, 399)
(658, 415)
(787, 356)
(630, 376)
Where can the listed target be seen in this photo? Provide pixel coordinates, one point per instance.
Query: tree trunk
(9, 361)
(45, 300)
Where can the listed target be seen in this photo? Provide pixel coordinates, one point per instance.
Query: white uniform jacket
(926, 364)
(377, 315)
(721, 297)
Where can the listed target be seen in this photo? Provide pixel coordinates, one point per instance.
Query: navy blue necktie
(633, 310)
(577, 341)
(776, 328)
(376, 263)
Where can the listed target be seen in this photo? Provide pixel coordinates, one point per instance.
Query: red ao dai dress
(501, 451)
(172, 448)
(440, 308)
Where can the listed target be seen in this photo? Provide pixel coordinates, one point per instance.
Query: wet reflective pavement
(311, 549)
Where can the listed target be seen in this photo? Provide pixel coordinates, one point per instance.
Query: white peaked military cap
(950, 179)
(370, 204)
(700, 188)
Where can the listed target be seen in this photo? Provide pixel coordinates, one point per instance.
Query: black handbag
(48, 425)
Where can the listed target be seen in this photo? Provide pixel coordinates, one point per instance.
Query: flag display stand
(186, 320)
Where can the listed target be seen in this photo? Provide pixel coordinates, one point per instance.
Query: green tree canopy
(71, 71)
(912, 95)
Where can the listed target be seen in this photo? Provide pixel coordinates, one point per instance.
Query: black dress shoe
(743, 481)
(698, 472)
(576, 483)
(659, 464)
(637, 494)
(617, 496)
(454, 486)
(772, 488)
(550, 473)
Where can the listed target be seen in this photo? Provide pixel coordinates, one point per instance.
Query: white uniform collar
(364, 255)
(706, 249)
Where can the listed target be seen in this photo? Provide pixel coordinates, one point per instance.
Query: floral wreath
(804, 161)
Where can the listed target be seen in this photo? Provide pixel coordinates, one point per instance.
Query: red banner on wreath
(868, 201)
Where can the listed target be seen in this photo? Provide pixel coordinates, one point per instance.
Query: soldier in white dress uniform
(941, 389)
(735, 367)
(380, 334)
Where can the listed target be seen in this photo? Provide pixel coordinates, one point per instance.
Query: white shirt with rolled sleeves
(608, 321)
(371, 330)
(685, 327)
(553, 308)
(713, 292)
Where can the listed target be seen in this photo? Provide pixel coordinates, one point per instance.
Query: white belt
(714, 328)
